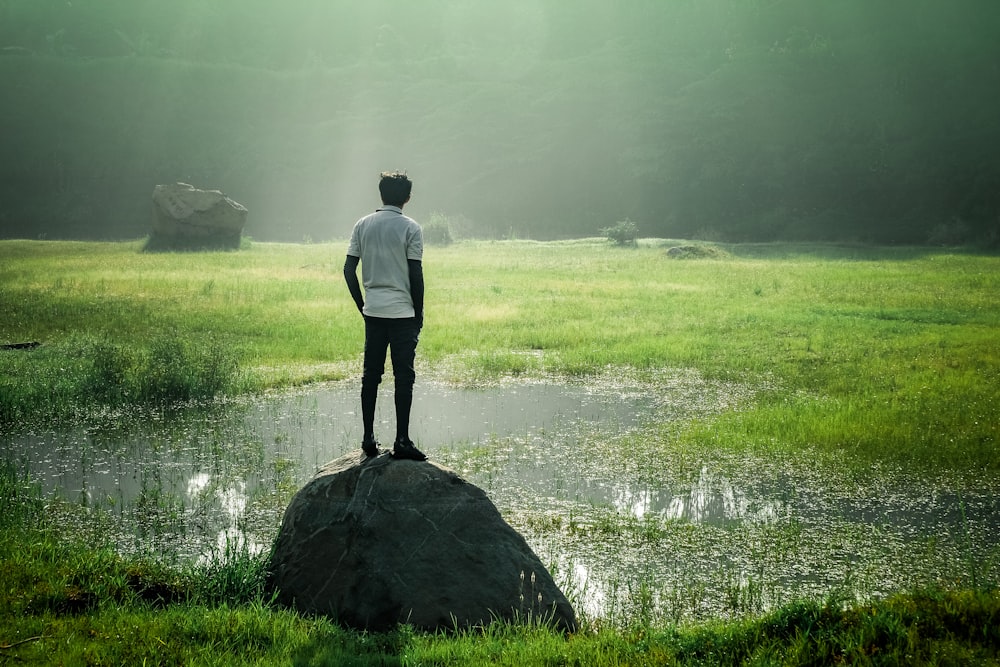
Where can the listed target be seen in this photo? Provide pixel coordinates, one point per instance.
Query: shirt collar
(387, 207)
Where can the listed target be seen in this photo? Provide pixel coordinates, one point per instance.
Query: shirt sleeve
(354, 247)
(415, 243)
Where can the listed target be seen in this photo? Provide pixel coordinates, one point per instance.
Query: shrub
(624, 232)
(437, 230)
(178, 370)
(110, 372)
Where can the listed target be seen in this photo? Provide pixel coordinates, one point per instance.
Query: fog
(729, 120)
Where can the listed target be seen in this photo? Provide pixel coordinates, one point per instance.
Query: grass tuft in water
(85, 372)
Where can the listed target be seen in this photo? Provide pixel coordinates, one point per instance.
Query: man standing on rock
(389, 247)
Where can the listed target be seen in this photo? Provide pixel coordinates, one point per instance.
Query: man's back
(385, 241)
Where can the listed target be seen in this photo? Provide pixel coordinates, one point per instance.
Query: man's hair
(395, 187)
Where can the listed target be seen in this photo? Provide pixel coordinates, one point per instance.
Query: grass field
(887, 354)
(878, 356)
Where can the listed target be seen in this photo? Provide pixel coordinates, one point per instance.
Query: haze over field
(718, 119)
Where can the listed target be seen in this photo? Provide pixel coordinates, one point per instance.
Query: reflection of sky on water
(712, 499)
(443, 415)
(208, 466)
(214, 462)
(232, 501)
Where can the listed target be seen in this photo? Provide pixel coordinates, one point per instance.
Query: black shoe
(404, 449)
(370, 448)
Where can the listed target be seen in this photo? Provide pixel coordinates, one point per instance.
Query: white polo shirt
(384, 241)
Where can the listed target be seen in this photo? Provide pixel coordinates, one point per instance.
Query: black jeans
(399, 337)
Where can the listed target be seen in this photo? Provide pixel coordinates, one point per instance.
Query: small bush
(111, 372)
(178, 370)
(437, 230)
(624, 232)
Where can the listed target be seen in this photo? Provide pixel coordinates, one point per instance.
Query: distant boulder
(186, 218)
(694, 252)
(375, 542)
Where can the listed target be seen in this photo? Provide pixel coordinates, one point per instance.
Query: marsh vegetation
(761, 435)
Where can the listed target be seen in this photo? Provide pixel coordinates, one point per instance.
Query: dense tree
(725, 119)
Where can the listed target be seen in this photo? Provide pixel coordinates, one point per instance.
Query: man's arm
(351, 276)
(417, 288)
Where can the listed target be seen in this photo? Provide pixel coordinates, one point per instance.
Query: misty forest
(722, 120)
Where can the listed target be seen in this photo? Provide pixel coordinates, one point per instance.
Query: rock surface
(186, 217)
(376, 542)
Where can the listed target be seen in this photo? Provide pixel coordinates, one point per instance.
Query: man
(389, 246)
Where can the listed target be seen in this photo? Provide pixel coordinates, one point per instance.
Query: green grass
(882, 354)
(871, 355)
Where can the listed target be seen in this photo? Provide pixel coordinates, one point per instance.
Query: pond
(631, 524)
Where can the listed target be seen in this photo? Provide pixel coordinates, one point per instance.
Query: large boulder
(376, 542)
(185, 217)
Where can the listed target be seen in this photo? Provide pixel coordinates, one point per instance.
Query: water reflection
(230, 502)
(202, 469)
(714, 499)
(623, 508)
(589, 589)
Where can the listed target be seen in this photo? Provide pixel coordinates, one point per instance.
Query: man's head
(395, 188)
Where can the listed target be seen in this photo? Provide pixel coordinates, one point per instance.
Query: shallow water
(631, 524)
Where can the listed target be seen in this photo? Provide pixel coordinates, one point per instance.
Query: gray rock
(694, 252)
(376, 542)
(682, 251)
(186, 217)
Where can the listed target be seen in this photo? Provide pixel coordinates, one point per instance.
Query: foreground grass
(912, 630)
(877, 354)
(65, 602)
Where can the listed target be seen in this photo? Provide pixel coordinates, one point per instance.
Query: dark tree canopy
(716, 119)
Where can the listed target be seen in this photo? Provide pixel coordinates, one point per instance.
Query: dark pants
(400, 337)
